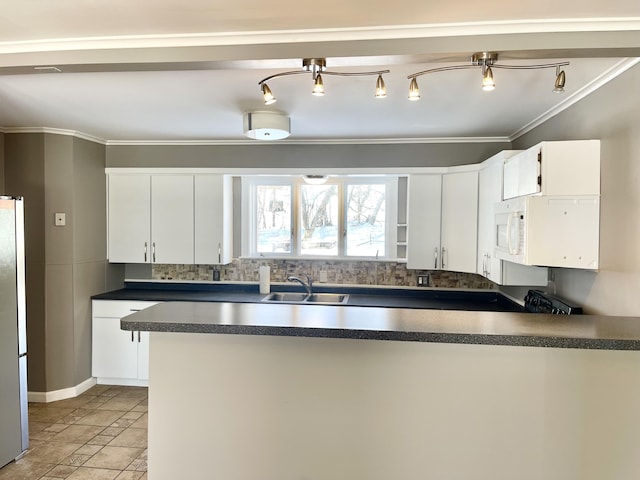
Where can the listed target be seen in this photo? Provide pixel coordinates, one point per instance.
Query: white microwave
(550, 231)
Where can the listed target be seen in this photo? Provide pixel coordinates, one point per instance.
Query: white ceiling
(174, 70)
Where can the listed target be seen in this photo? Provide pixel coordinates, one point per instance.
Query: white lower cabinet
(119, 357)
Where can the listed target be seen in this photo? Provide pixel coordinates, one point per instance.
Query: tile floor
(99, 435)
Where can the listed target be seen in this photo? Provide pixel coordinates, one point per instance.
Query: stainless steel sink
(293, 297)
(289, 297)
(327, 298)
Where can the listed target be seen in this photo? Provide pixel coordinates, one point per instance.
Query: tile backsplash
(346, 272)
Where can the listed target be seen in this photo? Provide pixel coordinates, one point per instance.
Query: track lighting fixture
(317, 68)
(487, 62)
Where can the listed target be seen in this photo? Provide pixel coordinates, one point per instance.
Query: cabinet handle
(436, 260)
(484, 265)
(132, 335)
(145, 252)
(219, 253)
(442, 261)
(138, 336)
(153, 252)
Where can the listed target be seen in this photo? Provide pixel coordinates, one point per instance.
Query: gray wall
(1, 163)
(611, 114)
(267, 155)
(65, 265)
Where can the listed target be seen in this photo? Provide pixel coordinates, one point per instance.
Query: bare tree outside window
(319, 211)
(365, 220)
(273, 220)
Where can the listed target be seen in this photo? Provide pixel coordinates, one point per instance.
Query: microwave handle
(512, 251)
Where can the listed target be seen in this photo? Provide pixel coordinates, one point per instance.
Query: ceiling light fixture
(267, 125)
(317, 68)
(315, 179)
(487, 62)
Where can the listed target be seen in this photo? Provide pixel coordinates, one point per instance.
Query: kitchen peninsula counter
(271, 391)
(399, 324)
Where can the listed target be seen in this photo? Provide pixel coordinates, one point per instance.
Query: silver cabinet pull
(442, 261)
(436, 260)
(138, 336)
(145, 251)
(132, 335)
(153, 251)
(219, 253)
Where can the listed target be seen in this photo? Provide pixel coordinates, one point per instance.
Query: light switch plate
(60, 219)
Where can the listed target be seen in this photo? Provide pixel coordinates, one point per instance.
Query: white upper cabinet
(488, 265)
(424, 213)
(172, 219)
(213, 219)
(554, 168)
(442, 222)
(169, 218)
(129, 218)
(459, 221)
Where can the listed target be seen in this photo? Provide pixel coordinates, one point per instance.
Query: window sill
(321, 258)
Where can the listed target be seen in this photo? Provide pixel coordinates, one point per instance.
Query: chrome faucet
(308, 285)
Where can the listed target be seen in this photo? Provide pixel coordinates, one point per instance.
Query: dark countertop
(358, 296)
(399, 324)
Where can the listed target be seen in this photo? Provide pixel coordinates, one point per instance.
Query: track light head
(560, 79)
(487, 79)
(381, 89)
(269, 99)
(414, 90)
(318, 87)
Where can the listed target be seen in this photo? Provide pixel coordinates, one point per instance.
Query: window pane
(366, 220)
(319, 212)
(273, 222)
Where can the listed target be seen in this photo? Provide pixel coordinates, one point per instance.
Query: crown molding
(387, 32)
(578, 95)
(55, 131)
(329, 141)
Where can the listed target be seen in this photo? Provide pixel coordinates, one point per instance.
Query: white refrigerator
(13, 332)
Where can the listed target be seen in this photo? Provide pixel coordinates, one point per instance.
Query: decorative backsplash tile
(344, 272)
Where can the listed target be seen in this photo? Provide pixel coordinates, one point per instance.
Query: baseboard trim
(54, 396)
(123, 382)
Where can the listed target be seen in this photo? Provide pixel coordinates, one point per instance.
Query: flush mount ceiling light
(267, 125)
(487, 62)
(315, 179)
(317, 68)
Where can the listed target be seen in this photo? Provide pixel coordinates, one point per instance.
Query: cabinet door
(423, 221)
(114, 355)
(489, 193)
(129, 214)
(522, 174)
(172, 219)
(213, 219)
(459, 221)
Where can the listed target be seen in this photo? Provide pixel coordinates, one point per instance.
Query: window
(345, 217)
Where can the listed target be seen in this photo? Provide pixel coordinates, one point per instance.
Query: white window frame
(249, 217)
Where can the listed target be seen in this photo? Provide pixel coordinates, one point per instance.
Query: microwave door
(513, 230)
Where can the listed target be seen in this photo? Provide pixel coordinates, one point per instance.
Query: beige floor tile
(118, 403)
(132, 415)
(144, 477)
(102, 418)
(84, 473)
(134, 392)
(24, 469)
(51, 452)
(123, 423)
(88, 450)
(114, 457)
(76, 402)
(78, 433)
(130, 475)
(138, 465)
(140, 408)
(61, 471)
(100, 440)
(142, 422)
(37, 426)
(56, 427)
(112, 431)
(75, 460)
(97, 390)
(42, 436)
(131, 437)
(49, 414)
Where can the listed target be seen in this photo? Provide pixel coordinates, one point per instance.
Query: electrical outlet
(60, 219)
(423, 280)
(323, 276)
